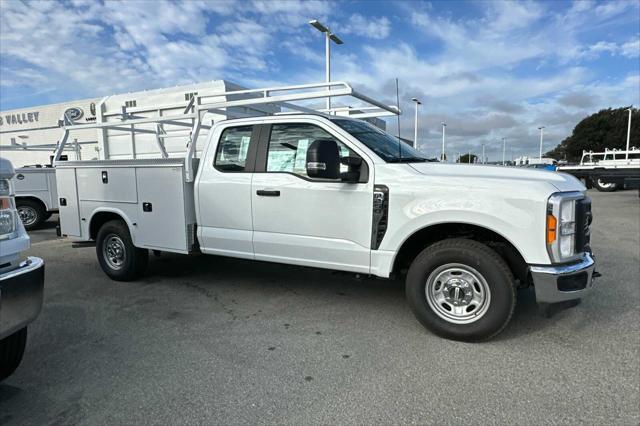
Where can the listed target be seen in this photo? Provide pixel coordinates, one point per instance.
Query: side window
(233, 146)
(288, 147)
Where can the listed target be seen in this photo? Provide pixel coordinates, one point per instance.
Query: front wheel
(11, 352)
(461, 289)
(118, 257)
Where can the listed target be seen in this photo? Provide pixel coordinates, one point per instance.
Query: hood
(561, 181)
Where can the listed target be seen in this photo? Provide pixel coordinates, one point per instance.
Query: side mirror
(323, 159)
(354, 164)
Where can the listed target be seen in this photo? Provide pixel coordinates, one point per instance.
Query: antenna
(398, 107)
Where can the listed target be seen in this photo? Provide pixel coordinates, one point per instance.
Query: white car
(21, 280)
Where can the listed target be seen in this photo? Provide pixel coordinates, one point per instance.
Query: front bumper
(559, 283)
(21, 292)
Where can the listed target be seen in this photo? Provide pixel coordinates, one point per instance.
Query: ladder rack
(252, 99)
(50, 147)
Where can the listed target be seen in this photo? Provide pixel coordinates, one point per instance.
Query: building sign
(74, 113)
(20, 118)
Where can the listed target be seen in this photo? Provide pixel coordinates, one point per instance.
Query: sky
(488, 69)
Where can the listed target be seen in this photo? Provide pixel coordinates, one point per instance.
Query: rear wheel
(604, 186)
(32, 213)
(11, 352)
(118, 257)
(461, 289)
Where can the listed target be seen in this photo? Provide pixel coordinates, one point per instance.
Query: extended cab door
(224, 193)
(305, 221)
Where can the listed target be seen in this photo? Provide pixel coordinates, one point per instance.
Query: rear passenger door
(306, 221)
(224, 194)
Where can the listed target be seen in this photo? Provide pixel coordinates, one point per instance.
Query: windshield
(380, 142)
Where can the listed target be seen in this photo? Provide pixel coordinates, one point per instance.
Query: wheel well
(432, 234)
(100, 219)
(34, 199)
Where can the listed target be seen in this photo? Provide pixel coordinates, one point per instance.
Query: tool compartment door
(162, 199)
(68, 198)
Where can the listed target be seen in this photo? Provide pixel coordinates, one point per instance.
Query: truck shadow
(213, 275)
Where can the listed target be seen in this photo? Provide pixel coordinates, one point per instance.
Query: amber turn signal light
(552, 227)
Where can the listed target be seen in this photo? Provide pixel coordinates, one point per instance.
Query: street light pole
(444, 128)
(541, 128)
(626, 157)
(482, 153)
(415, 132)
(504, 149)
(329, 36)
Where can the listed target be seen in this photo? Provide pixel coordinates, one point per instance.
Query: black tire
(497, 283)
(11, 352)
(32, 213)
(128, 262)
(604, 187)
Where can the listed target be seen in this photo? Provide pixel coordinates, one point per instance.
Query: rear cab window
(233, 149)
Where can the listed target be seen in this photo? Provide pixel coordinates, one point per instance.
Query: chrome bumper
(21, 292)
(558, 283)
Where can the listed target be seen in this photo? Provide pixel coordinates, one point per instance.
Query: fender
(46, 203)
(517, 232)
(87, 225)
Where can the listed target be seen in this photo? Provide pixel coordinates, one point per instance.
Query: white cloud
(631, 49)
(371, 27)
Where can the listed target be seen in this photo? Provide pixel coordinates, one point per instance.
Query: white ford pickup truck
(338, 193)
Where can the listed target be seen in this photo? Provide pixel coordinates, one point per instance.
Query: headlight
(8, 214)
(561, 226)
(6, 188)
(7, 223)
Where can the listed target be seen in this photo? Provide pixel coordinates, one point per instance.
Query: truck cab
(21, 279)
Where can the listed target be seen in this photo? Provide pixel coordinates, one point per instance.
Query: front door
(305, 221)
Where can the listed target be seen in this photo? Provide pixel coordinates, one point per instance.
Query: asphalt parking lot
(214, 340)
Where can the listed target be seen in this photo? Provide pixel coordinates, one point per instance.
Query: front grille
(584, 217)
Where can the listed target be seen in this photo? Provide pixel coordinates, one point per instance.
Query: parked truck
(325, 191)
(36, 195)
(21, 279)
(609, 170)
(34, 185)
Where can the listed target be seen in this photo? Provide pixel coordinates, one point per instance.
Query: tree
(605, 129)
(464, 158)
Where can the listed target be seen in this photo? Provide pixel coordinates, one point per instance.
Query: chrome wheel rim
(113, 251)
(28, 215)
(458, 293)
(604, 184)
